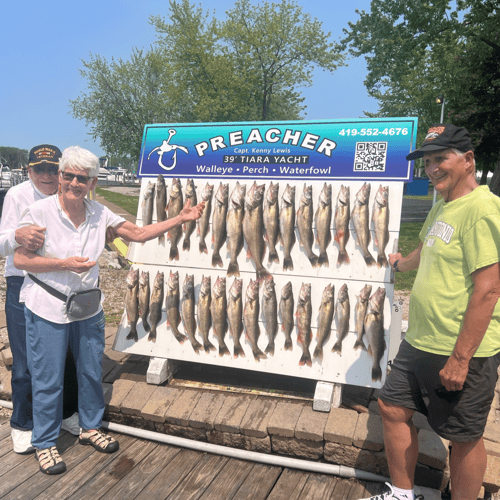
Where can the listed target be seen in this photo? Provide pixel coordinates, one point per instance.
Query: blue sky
(43, 44)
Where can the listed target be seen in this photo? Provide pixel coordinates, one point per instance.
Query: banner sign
(357, 149)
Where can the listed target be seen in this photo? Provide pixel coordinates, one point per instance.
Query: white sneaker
(72, 424)
(21, 441)
(390, 495)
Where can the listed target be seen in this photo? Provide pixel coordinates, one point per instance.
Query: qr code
(370, 156)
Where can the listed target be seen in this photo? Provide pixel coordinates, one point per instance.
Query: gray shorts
(459, 416)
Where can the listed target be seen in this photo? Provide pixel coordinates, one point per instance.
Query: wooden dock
(144, 470)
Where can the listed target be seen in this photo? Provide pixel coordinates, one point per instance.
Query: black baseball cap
(443, 136)
(45, 153)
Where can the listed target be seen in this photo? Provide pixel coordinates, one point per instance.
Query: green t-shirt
(458, 238)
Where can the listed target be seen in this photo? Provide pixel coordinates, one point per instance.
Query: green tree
(13, 157)
(417, 50)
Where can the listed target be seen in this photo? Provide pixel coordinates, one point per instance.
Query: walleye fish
(172, 305)
(342, 218)
(380, 217)
(272, 221)
(187, 312)
(219, 314)
(323, 220)
(251, 318)
(144, 292)
(204, 314)
(234, 224)
(287, 225)
(360, 313)
(304, 314)
(234, 315)
(204, 220)
(286, 311)
(147, 204)
(270, 312)
(304, 224)
(155, 305)
(161, 202)
(253, 226)
(326, 311)
(132, 303)
(374, 328)
(190, 226)
(219, 232)
(360, 218)
(174, 207)
(343, 316)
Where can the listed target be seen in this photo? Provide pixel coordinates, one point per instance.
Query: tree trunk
(495, 180)
(484, 177)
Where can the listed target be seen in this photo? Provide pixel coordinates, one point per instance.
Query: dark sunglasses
(45, 169)
(82, 179)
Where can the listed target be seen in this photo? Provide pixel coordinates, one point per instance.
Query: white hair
(79, 159)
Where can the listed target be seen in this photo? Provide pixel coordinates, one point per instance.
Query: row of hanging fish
(257, 218)
(223, 312)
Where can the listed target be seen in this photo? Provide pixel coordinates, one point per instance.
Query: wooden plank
(39, 482)
(168, 479)
(289, 485)
(199, 479)
(365, 489)
(319, 486)
(5, 446)
(5, 429)
(116, 470)
(142, 475)
(11, 460)
(259, 482)
(75, 478)
(228, 481)
(342, 489)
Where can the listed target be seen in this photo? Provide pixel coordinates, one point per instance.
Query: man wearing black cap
(446, 367)
(43, 170)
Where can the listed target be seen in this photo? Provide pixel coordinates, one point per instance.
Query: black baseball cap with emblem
(443, 136)
(45, 153)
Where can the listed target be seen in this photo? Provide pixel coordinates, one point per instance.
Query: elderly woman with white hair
(75, 237)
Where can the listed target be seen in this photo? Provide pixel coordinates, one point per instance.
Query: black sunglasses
(45, 169)
(82, 179)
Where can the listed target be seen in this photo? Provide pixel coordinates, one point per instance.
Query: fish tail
(273, 257)
(258, 354)
(343, 258)
(370, 261)
(318, 353)
(181, 338)
(288, 345)
(382, 260)
(216, 259)
(270, 348)
(359, 344)
(238, 351)
(203, 247)
(313, 259)
(145, 325)
(305, 359)
(152, 335)
(233, 269)
(262, 275)
(338, 347)
(323, 260)
(174, 253)
(208, 346)
(196, 346)
(376, 373)
(223, 350)
(133, 334)
(287, 264)
(186, 244)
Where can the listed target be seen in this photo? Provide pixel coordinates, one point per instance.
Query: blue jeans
(47, 345)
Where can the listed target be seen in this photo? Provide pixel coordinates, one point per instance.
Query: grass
(128, 203)
(408, 234)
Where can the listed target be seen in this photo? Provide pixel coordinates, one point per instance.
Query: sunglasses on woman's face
(82, 179)
(45, 169)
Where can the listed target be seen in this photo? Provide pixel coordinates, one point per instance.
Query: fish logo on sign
(166, 147)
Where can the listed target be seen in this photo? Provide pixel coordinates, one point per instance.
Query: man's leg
(467, 468)
(401, 444)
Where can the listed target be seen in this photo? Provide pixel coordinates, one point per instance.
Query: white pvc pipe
(278, 461)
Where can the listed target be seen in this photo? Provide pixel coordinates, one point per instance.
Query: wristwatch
(395, 266)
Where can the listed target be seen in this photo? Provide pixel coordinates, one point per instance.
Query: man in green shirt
(446, 367)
